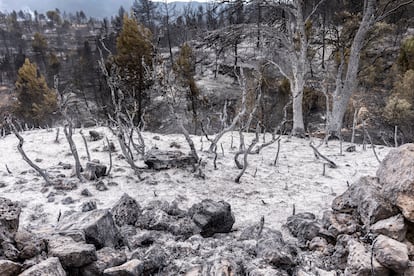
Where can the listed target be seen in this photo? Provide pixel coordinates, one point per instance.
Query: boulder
(98, 226)
(359, 261)
(155, 258)
(29, 244)
(106, 257)
(275, 252)
(89, 206)
(393, 227)
(95, 135)
(9, 215)
(339, 223)
(391, 253)
(49, 267)
(161, 160)
(304, 226)
(70, 253)
(126, 211)
(212, 217)
(133, 267)
(10, 251)
(365, 197)
(396, 176)
(9, 268)
(94, 170)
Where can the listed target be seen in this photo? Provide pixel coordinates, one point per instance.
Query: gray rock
(275, 252)
(393, 227)
(98, 226)
(95, 135)
(9, 268)
(304, 226)
(126, 211)
(155, 258)
(100, 186)
(359, 261)
(212, 217)
(89, 206)
(70, 253)
(161, 160)
(132, 268)
(29, 244)
(67, 200)
(396, 176)
(339, 223)
(49, 267)
(10, 251)
(94, 170)
(66, 184)
(366, 198)
(85, 192)
(107, 257)
(391, 253)
(9, 215)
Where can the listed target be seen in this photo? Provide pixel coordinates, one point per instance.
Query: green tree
(134, 54)
(406, 58)
(35, 100)
(185, 69)
(39, 43)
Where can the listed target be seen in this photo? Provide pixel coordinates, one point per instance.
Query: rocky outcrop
(9, 268)
(9, 215)
(161, 160)
(396, 177)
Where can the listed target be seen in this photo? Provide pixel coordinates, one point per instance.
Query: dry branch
(42, 172)
(86, 145)
(318, 154)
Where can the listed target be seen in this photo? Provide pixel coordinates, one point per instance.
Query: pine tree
(134, 53)
(185, 69)
(35, 100)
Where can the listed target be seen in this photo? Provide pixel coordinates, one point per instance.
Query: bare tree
(347, 73)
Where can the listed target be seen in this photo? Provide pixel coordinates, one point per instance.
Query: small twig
(318, 154)
(215, 157)
(57, 135)
(293, 210)
(277, 153)
(372, 145)
(8, 171)
(110, 156)
(222, 149)
(396, 136)
(86, 145)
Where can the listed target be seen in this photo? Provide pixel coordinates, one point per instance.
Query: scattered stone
(275, 252)
(85, 192)
(66, 166)
(67, 200)
(98, 226)
(9, 268)
(50, 267)
(350, 148)
(71, 253)
(9, 215)
(51, 199)
(111, 147)
(2, 184)
(366, 198)
(339, 223)
(359, 261)
(38, 160)
(161, 160)
(396, 176)
(133, 267)
(44, 190)
(212, 217)
(126, 211)
(155, 259)
(95, 135)
(89, 206)
(393, 227)
(100, 186)
(112, 184)
(106, 258)
(175, 145)
(156, 137)
(66, 184)
(94, 170)
(304, 226)
(318, 244)
(391, 253)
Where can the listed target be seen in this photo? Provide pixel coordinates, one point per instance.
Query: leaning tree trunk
(343, 93)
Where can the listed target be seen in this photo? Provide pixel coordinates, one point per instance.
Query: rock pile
(368, 231)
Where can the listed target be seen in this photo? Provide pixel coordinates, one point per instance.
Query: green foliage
(284, 86)
(35, 100)
(54, 17)
(134, 48)
(406, 57)
(39, 43)
(399, 109)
